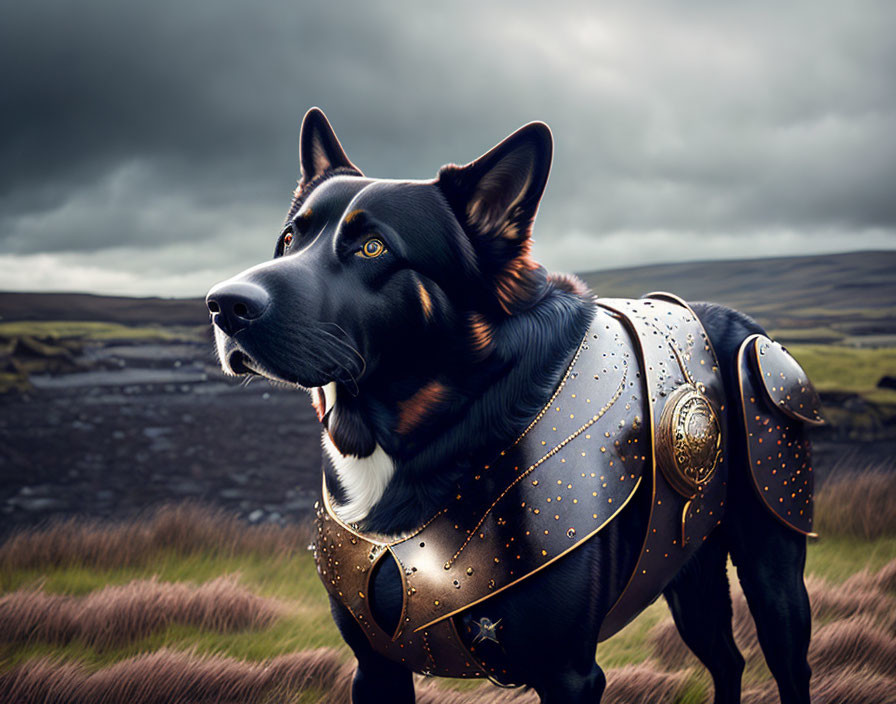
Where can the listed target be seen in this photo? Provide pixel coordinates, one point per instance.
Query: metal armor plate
(778, 402)
(686, 403)
(569, 473)
(785, 382)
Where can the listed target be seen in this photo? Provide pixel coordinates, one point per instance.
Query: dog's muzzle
(234, 305)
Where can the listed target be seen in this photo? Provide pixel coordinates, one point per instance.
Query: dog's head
(372, 278)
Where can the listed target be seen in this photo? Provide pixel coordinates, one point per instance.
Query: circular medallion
(689, 440)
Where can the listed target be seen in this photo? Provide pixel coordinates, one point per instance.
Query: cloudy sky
(151, 147)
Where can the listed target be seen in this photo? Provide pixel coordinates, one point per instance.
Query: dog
(429, 340)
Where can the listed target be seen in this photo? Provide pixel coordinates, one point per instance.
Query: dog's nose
(235, 304)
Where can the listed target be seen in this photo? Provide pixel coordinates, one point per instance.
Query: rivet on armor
(571, 533)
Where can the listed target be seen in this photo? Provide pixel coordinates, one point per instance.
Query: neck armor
(643, 391)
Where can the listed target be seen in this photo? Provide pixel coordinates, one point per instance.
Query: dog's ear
(319, 149)
(495, 199)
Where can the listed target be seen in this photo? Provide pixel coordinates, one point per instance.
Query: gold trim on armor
(540, 567)
(636, 338)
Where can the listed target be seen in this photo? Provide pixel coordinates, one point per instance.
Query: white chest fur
(364, 479)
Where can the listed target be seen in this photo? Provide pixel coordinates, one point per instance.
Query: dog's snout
(235, 304)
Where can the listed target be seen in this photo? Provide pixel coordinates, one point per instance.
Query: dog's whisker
(347, 344)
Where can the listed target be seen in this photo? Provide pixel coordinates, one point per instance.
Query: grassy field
(94, 331)
(192, 605)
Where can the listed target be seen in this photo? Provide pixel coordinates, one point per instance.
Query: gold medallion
(689, 440)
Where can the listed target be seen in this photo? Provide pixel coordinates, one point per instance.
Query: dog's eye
(287, 239)
(372, 248)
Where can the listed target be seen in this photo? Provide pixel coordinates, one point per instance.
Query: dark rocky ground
(162, 424)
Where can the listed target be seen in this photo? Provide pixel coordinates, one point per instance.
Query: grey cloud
(128, 127)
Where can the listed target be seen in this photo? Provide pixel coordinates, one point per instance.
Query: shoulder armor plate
(775, 413)
(785, 382)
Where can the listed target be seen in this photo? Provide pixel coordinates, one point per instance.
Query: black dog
(429, 340)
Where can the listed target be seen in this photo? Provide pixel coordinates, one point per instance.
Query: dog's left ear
(495, 199)
(319, 149)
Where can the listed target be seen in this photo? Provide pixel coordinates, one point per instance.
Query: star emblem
(487, 630)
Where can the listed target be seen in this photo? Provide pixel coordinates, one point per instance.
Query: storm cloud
(151, 148)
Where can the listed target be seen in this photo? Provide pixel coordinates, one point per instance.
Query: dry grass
(169, 677)
(853, 657)
(857, 642)
(853, 686)
(853, 651)
(862, 593)
(886, 578)
(184, 528)
(857, 503)
(175, 677)
(116, 615)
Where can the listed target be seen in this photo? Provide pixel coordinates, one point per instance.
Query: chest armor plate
(642, 388)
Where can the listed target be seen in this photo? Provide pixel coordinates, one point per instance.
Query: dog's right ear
(319, 149)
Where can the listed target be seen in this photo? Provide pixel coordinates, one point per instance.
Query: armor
(778, 401)
(642, 393)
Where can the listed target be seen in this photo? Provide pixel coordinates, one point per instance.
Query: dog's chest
(570, 472)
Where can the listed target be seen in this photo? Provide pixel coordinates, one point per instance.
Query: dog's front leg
(380, 680)
(377, 679)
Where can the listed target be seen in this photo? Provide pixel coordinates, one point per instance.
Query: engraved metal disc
(689, 440)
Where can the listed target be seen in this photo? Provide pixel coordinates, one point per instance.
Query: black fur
(442, 349)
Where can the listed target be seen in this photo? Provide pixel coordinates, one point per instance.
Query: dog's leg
(574, 686)
(376, 678)
(770, 559)
(700, 601)
(380, 680)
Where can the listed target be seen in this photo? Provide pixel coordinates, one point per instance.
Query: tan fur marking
(480, 332)
(510, 283)
(413, 410)
(352, 216)
(425, 300)
(510, 231)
